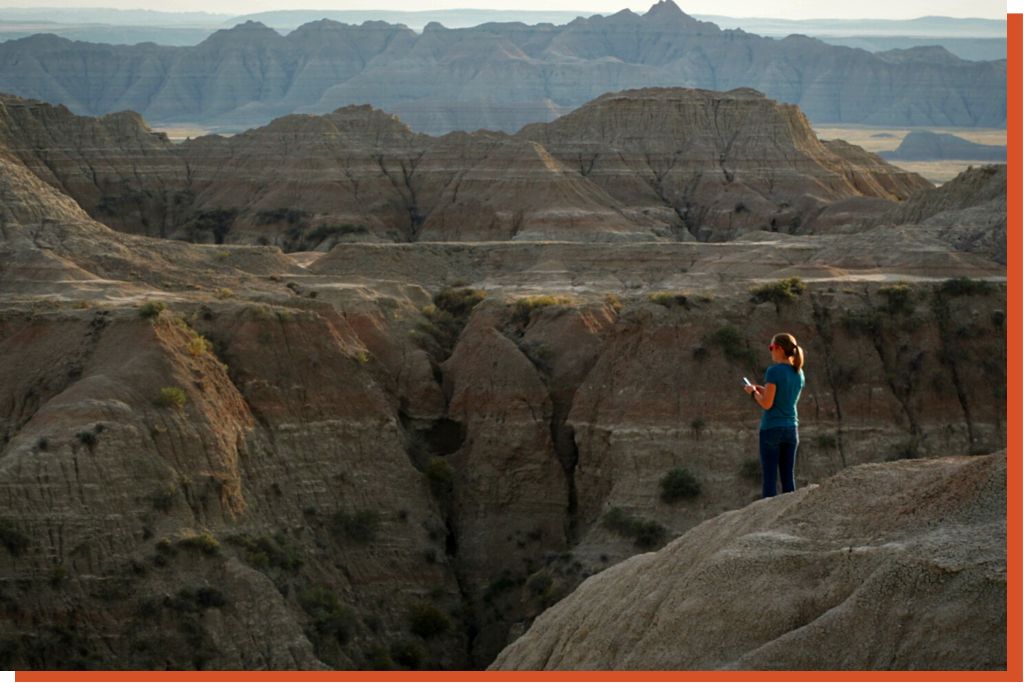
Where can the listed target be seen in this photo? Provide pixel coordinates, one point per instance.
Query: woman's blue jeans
(778, 459)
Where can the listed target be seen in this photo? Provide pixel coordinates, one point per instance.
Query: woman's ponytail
(787, 343)
(798, 358)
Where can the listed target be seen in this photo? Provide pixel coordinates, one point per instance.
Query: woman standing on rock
(783, 382)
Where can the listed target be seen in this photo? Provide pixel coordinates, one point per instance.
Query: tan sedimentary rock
(886, 566)
(667, 164)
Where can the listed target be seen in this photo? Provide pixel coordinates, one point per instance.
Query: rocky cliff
(656, 164)
(497, 75)
(398, 455)
(888, 566)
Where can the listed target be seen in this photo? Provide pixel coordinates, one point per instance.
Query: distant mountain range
(974, 39)
(496, 75)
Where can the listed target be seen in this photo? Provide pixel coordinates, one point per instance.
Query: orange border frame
(1013, 672)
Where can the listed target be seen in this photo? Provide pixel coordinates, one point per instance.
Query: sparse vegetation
(613, 302)
(669, 299)
(780, 292)
(163, 499)
(540, 583)
(439, 474)
(12, 539)
(427, 621)
(964, 286)
(198, 345)
(646, 534)
(171, 397)
(408, 654)
(204, 543)
(263, 552)
(360, 526)
(330, 619)
(281, 215)
(224, 293)
(151, 309)
(445, 319)
(192, 600)
(864, 323)
(217, 223)
(523, 308)
(679, 484)
(733, 346)
(826, 441)
(898, 299)
(87, 438)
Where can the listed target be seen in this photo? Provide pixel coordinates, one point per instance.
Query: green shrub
(171, 397)
(540, 583)
(698, 424)
(198, 345)
(263, 552)
(281, 215)
(360, 526)
(151, 309)
(898, 299)
(646, 534)
(669, 299)
(732, 344)
(87, 438)
(325, 232)
(163, 499)
(445, 319)
(780, 292)
(502, 584)
(408, 654)
(826, 441)
(330, 619)
(677, 484)
(442, 479)
(12, 539)
(427, 621)
(191, 601)
(458, 301)
(523, 308)
(964, 286)
(204, 543)
(864, 323)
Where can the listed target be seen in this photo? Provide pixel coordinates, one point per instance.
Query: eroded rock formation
(886, 566)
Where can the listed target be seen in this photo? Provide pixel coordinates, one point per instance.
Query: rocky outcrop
(497, 75)
(398, 455)
(890, 566)
(656, 164)
(704, 155)
(923, 145)
(968, 212)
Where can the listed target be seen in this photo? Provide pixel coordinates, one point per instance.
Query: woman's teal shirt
(788, 385)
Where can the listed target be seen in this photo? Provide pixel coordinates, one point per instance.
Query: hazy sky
(789, 9)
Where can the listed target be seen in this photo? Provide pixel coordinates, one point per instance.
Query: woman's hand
(749, 388)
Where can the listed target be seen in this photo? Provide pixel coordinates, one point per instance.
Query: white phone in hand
(746, 382)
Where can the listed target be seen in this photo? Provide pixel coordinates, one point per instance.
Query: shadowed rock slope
(496, 75)
(889, 566)
(398, 455)
(656, 164)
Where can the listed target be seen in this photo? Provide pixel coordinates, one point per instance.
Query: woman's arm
(765, 396)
